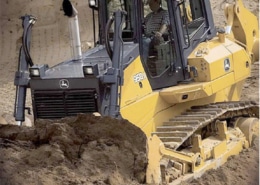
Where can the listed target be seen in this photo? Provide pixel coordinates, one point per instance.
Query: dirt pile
(82, 150)
(77, 151)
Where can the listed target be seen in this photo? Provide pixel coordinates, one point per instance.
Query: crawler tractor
(184, 95)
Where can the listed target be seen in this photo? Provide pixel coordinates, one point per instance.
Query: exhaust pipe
(72, 13)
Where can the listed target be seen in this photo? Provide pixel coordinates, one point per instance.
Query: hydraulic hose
(107, 44)
(25, 43)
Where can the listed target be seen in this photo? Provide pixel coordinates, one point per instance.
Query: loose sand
(55, 153)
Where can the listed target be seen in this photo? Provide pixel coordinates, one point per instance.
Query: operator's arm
(161, 31)
(165, 22)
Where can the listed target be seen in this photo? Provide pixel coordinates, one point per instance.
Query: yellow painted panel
(223, 82)
(210, 64)
(241, 60)
(196, 91)
(141, 112)
(242, 65)
(136, 84)
(186, 92)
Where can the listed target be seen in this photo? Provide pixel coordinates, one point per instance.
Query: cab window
(192, 18)
(158, 51)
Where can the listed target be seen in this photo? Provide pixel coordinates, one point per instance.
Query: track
(175, 132)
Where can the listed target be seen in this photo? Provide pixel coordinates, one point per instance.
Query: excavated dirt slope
(82, 150)
(76, 150)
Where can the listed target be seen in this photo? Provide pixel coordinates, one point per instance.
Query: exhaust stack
(72, 13)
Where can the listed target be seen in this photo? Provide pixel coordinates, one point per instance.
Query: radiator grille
(58, 104)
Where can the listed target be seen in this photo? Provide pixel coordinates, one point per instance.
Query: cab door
(189, 24)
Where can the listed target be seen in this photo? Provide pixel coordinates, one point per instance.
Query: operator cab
(190, 23)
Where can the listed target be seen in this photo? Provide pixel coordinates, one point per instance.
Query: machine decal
(64, 84)
(139, 77)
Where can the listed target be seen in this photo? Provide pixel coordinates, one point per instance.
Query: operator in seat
(156, 23)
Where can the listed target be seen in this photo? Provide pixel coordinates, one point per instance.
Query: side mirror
(93, 4)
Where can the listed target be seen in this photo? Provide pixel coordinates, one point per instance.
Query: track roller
(249, 127)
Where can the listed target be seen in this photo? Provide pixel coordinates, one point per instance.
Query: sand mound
(82, 150)
(76, 150)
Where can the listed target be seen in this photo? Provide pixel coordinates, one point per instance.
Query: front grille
(59, 104)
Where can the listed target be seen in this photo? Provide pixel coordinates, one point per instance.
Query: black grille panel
(58, 104)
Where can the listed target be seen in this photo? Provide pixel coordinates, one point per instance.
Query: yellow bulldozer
(183, 95)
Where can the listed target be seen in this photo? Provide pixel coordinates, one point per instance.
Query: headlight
(92, 2)
(88, 70)
(34, 72)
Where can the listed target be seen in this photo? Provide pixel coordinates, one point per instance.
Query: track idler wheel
(249, 127)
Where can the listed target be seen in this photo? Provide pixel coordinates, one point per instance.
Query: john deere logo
(64, 84)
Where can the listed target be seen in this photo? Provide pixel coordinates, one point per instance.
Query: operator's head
(154, 4)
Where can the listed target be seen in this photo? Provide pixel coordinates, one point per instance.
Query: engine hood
(97, 55)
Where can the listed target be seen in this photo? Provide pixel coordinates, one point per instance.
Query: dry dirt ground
(49, 153)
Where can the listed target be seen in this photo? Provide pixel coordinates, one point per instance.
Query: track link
(177, 130)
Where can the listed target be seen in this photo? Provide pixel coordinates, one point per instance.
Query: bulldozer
(184, 95)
